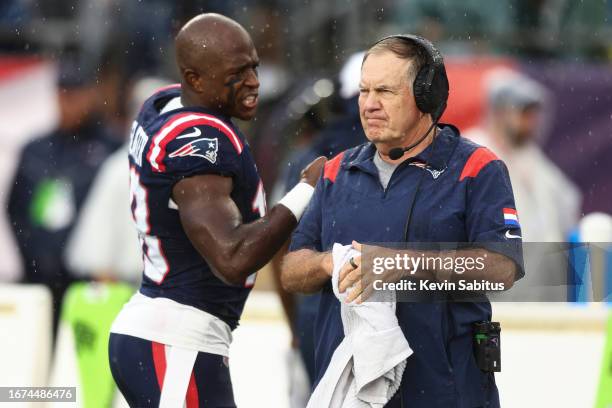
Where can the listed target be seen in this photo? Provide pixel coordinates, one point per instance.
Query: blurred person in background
(549, 203)
(13, 13)
(53, 177)
(340, 134)
(106, 218)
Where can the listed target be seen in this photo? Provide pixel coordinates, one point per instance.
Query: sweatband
(297, 199)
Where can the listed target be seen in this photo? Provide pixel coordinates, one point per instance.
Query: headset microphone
(398, 152)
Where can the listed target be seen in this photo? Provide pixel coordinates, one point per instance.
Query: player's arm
(214, 225)
(306, 268)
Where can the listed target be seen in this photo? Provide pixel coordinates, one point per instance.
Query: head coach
(415, 181)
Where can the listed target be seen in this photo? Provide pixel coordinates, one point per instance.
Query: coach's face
(386, 104)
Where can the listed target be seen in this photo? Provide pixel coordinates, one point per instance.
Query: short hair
(404, 49)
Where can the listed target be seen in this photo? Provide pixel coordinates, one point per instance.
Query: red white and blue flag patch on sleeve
(511, 218)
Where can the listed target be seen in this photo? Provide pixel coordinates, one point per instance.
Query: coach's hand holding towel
(366, 368)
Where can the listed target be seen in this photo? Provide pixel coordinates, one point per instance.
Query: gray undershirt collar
(385, 170)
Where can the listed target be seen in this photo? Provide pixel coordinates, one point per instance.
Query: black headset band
(434, 57)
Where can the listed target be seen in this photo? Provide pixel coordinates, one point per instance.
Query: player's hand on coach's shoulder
(312, 172)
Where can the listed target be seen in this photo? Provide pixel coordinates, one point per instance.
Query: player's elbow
(227, 265)
(234, 280)
(229, 275)
(224, 269)
(233, 269)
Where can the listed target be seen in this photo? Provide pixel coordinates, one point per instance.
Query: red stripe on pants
(192, 393)
(159, 361)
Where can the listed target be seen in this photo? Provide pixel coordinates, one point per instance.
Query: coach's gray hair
(404, 49)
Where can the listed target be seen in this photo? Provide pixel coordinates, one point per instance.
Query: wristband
(297, 199)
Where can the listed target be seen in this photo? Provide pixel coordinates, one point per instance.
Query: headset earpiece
(430, 86)
(421, 89)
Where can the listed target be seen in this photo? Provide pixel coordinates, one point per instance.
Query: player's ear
(193, 79)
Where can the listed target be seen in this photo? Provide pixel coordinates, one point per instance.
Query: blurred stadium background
(76, 71)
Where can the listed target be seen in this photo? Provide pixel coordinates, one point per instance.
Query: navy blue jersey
(165, 148)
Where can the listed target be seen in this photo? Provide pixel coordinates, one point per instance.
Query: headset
(430, 86)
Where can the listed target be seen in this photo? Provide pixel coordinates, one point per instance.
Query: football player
(200, 211)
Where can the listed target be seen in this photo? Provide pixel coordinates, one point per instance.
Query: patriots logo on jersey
(206, 148)
(434, 173)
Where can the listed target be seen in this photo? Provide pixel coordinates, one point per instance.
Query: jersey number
(259, 201)
(258, 206)
(155, 263)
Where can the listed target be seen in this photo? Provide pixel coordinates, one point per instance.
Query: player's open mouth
(250, 101)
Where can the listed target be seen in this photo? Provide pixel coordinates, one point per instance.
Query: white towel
(366, 368)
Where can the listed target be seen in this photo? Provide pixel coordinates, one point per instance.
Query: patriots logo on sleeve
(203, 147)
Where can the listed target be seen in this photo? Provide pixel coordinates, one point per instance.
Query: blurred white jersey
(547, 201)
(104, 240)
